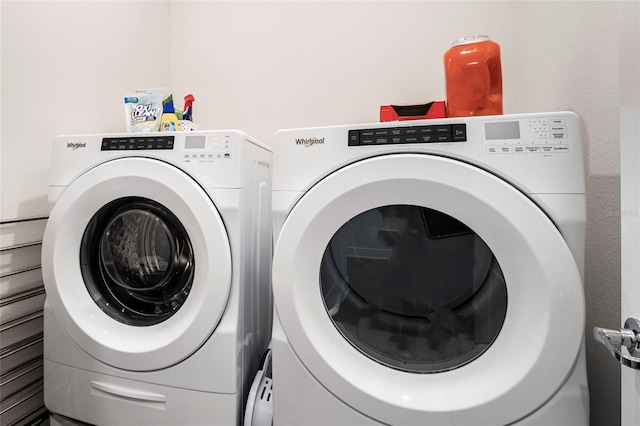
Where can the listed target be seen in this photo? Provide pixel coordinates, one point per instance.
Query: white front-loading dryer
(430, 272)
(156, 263)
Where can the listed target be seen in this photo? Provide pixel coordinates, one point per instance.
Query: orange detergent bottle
(473, 74)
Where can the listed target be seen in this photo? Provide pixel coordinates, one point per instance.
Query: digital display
(194, 142)
(502, 130)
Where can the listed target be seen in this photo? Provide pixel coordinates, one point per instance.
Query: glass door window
(413, 288)
(137, 261)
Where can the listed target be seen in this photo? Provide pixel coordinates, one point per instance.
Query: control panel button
(459, 132)
(446, 129)
(354, 138)
(427, 138)
(367, 140)
(557, 121)
(504, 149)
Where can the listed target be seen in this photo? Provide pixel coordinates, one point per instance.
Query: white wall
(629, 24)
(261, 66)
(65, 66)
(569, 60)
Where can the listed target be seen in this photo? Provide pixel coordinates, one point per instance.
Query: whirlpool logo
(76, 145)
(307, 142)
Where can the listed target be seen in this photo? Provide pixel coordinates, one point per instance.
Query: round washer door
(371, 331)
(136, 264)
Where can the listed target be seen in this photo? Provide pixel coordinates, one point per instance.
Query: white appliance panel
(192, 365)
(516, 182)
(112, 342)
(544, 289)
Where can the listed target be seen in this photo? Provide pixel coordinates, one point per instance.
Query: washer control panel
(197, 148)
(206, 148)
(533, 136)
(432, 133)
(130, 143)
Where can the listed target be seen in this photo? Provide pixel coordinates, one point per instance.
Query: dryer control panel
(431, 133)
(527, 136)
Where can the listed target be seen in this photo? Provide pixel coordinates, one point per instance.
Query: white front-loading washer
(156, 262)
(430, 272)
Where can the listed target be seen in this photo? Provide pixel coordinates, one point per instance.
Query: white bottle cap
(470, 39)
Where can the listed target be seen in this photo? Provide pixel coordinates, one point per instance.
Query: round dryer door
(136, 264)
(422, 290)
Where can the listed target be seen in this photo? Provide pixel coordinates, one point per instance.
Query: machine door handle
(623, 344)
(126, 393)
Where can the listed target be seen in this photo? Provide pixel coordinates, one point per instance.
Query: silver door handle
(627, 337)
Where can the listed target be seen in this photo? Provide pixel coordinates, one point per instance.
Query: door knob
(627, 337)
